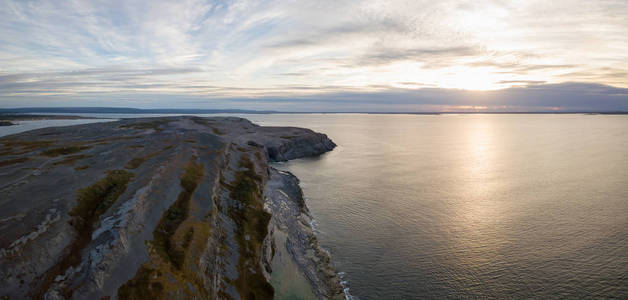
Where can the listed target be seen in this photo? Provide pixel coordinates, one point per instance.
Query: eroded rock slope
(165, 208)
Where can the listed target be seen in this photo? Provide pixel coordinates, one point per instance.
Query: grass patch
(27, 144)
(70, 160)
(80, 168)
(190, 141)
(202, 121)
(138, 161)
(175, 215)
(252, 228)
(141, 286)
(187, 238)
(208, 123)
(135, 162)
(94, 200)
(16, 147)
(167, 148)
(64, 150)
(217, 131)
(107, 141)
(9, 162)
(155, 125)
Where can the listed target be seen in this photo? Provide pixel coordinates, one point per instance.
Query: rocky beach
(176, 207)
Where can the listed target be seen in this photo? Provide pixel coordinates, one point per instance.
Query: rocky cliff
(180, 207)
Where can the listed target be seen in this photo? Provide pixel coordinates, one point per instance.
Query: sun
(474, 79)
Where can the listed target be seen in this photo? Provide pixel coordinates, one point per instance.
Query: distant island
(163, 208)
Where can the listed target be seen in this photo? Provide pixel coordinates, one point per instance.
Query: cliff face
(181, 207)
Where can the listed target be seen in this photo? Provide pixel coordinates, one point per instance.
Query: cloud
(522, 82)
(301, 50)
(383, 55)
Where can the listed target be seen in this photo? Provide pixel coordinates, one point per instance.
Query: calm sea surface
(471, 206)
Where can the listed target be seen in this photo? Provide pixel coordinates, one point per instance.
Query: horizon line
(132, 110)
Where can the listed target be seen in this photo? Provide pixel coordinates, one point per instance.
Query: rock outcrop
(180, 207)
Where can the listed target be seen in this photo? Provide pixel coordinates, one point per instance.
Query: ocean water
(21, 126)
(470, 206)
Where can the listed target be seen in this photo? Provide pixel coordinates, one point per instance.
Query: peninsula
(176, 208)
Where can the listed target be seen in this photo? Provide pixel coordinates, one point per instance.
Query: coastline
(292, 217)
(217, 250)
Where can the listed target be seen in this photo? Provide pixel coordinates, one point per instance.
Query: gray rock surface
(179, 207)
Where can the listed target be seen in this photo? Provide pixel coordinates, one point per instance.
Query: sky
(393, 55)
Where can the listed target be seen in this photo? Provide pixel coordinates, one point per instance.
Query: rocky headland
(163, 208)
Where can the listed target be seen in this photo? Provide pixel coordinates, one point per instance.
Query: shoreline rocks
(291, 215)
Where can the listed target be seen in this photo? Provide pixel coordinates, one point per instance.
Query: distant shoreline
(29, 117)
(6, 113)
(10, 119)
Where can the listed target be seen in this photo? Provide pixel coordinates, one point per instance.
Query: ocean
(471, 206)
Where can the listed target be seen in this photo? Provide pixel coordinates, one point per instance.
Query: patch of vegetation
(252, 227)
(223, 295)
(190, 141)
(92, 202)
(64, 150)
(141, 286)
(79, 168)
(138, 161)
(175, 215)
(70, 160)
(288, 137)
(217, 131)
(27, 144)
(155, 125)
(108, 140)
(208, 123)
(187, 238)
(160, 279)
(167, 148)
(9, 162)
(135, 163)
(202, 121)
(16, 147)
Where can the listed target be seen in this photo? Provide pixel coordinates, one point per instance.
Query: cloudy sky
(316, 55)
